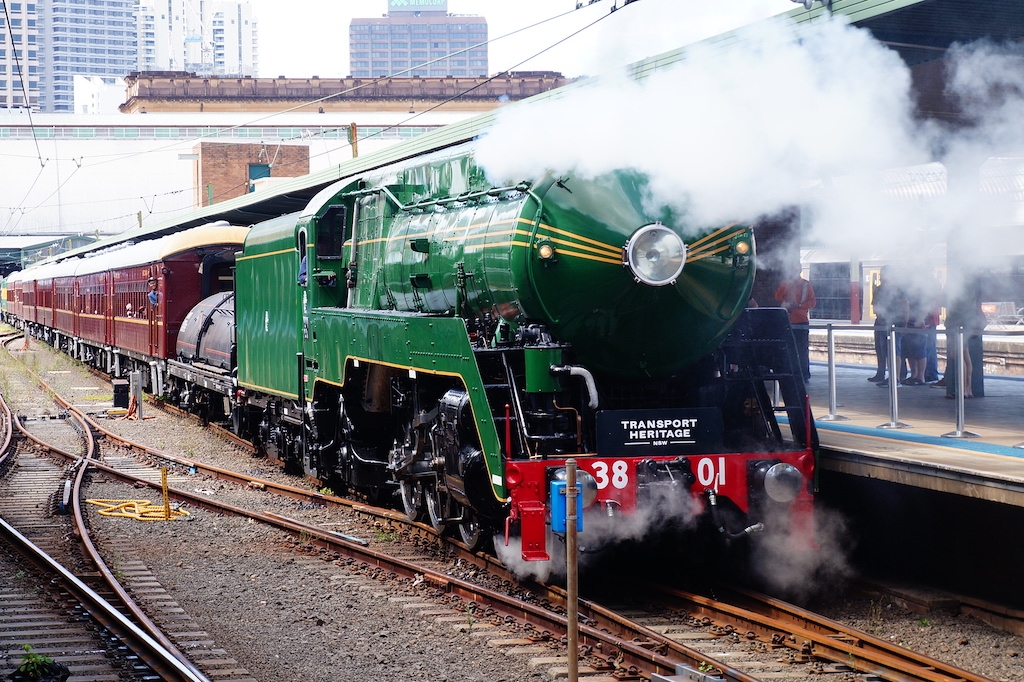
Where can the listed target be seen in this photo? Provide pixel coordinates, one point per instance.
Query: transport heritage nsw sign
(632, 433)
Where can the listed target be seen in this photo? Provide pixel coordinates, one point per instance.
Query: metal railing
(955, 350)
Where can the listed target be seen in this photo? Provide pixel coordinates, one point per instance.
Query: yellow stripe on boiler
(571, 254)
(264, 255)
(611, 249)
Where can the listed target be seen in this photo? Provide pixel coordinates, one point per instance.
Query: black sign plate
(642, 433)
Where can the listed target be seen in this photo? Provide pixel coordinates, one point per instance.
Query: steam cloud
(814, 119)
(668, 510)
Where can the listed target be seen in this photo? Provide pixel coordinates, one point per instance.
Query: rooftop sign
(418, 5)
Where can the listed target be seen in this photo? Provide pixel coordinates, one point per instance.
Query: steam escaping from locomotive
(820, 116)
(666, 514)
(726, 133)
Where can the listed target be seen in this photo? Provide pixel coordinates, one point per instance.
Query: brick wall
(222, 170)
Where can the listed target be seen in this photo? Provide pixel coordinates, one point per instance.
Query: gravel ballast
(288, 615)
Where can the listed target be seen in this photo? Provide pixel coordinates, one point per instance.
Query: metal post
(135, 387)
(961, 370)
(894, 383)
(167, 498)
(572, 569)
(832, 416)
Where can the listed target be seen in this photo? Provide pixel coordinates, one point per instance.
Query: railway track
(34, 488)
(35, 612)
(628, 644)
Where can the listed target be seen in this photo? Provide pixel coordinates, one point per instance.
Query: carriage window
(331, 233)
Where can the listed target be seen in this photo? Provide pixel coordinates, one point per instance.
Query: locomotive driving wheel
(412, 498)
(405, 450)
(471, 530)
(438, 505)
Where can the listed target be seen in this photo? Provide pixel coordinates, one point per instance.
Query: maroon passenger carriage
(98, 306)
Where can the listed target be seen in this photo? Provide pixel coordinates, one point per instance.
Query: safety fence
(955, 347)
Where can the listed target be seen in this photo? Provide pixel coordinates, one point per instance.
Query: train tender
(119, 309)
(419, 330)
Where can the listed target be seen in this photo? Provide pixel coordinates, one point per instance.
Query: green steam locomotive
(419, 330)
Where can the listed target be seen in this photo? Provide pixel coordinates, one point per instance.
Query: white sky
(302, 38)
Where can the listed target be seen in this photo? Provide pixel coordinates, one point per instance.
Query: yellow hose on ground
(141, 510)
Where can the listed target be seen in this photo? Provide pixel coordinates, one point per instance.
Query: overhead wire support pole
(832, 405)
(572, 571)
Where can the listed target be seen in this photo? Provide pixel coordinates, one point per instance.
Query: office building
(86, 39)
(418, 38)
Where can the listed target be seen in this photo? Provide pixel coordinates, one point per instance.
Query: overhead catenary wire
(24, 88)
(85, 161)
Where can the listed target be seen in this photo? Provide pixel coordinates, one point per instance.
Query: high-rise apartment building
(418, 38)
(221, 39)
(161, 29)
(213, 38)
(76, 37)
(19, 54)
(46, 43)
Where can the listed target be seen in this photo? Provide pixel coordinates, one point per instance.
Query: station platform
(922, 446)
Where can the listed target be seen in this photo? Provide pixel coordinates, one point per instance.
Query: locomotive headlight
(783, 482)
(742, 247)
(584, 481)
(546, 250)
(655, 255)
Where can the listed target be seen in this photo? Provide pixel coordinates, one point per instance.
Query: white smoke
(668, 510)
(813, 117)
(725, 133)
(802, 568)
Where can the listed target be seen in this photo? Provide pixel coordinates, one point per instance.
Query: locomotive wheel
(471, 530)
(412, 498)
(435, 510)
(438, 507)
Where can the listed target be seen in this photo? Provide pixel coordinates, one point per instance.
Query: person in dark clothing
(796, 295)
(965, 312)
(891, 308)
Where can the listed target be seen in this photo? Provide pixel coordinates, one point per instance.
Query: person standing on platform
(933, 315)
(965, 312)
(881, 327)
(913, 345)
(796, 295)
(891, 308)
